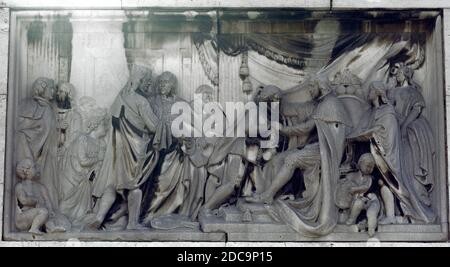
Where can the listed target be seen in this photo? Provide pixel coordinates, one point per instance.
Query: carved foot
(94, 224)
(350, 222)
(388, 220)
(136, 227)
(260, 199)
(371, 232)
(36, 232)
(203, 213)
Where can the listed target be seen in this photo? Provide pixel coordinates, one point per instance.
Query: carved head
(44, 88)
(269, 93)
(137, 75)
(146, 85)
(66, 91)
(167, 84)
(26, 169)
(207, 93)
(403, 74)
(366, 164)
(311, 83)
(95, 122)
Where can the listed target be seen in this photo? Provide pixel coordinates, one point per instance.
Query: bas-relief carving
(364, 158)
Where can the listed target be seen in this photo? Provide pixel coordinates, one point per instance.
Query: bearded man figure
(132, 150)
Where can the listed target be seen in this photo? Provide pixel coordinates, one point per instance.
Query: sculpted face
(63, 92)
(401, 78)
(313, 89)
(269, 93)
(366, 164)
(207, 97)
(147, 84)
(165, 87)
(44, 88)
(26, 169)
(167, 84)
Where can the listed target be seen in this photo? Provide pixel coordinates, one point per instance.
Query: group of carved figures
(346, 157)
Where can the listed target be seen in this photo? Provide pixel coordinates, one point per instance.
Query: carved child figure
(34, 207)
(352, 191)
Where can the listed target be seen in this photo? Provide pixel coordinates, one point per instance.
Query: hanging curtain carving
(295, 51)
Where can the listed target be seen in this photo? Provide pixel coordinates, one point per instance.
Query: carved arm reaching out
(301, 129)
(360, 189)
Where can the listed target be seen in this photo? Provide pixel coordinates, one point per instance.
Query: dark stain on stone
(35, 32)
(63, 35)
(60, 31)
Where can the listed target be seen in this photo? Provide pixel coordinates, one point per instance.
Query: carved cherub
(352, 190)
(34, 207)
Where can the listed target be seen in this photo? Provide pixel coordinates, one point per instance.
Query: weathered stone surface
(62, 4)
(446, 32)
(446, 24)
(4, 43)
(229, 3)
(175, 55)
(315, 4)
(181, 235)
(401, 4)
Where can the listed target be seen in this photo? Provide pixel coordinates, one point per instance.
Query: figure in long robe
(170, 190)
(418, 150)
(80, 165)
(135, 139)
(315, 212)
(38, 137)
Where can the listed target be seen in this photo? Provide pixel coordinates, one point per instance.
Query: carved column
(4, 41)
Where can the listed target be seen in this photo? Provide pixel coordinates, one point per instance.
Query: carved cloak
(417, 155)
(331, 120)
(37, 140)
(78, 167)
(133, 146)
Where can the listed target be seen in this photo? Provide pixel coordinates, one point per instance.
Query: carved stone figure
(69, 120)
(170, 190)
(226, 170)
(135, 138)
(371, 204)
(417, 147)
(319, 162)
(34, 206)
(355, 156)
(197, 152)
(80, 166)
(388, 204)
(351, 194)
(231, 159)
(37, 134)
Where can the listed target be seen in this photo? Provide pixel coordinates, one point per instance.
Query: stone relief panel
(355, 102)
